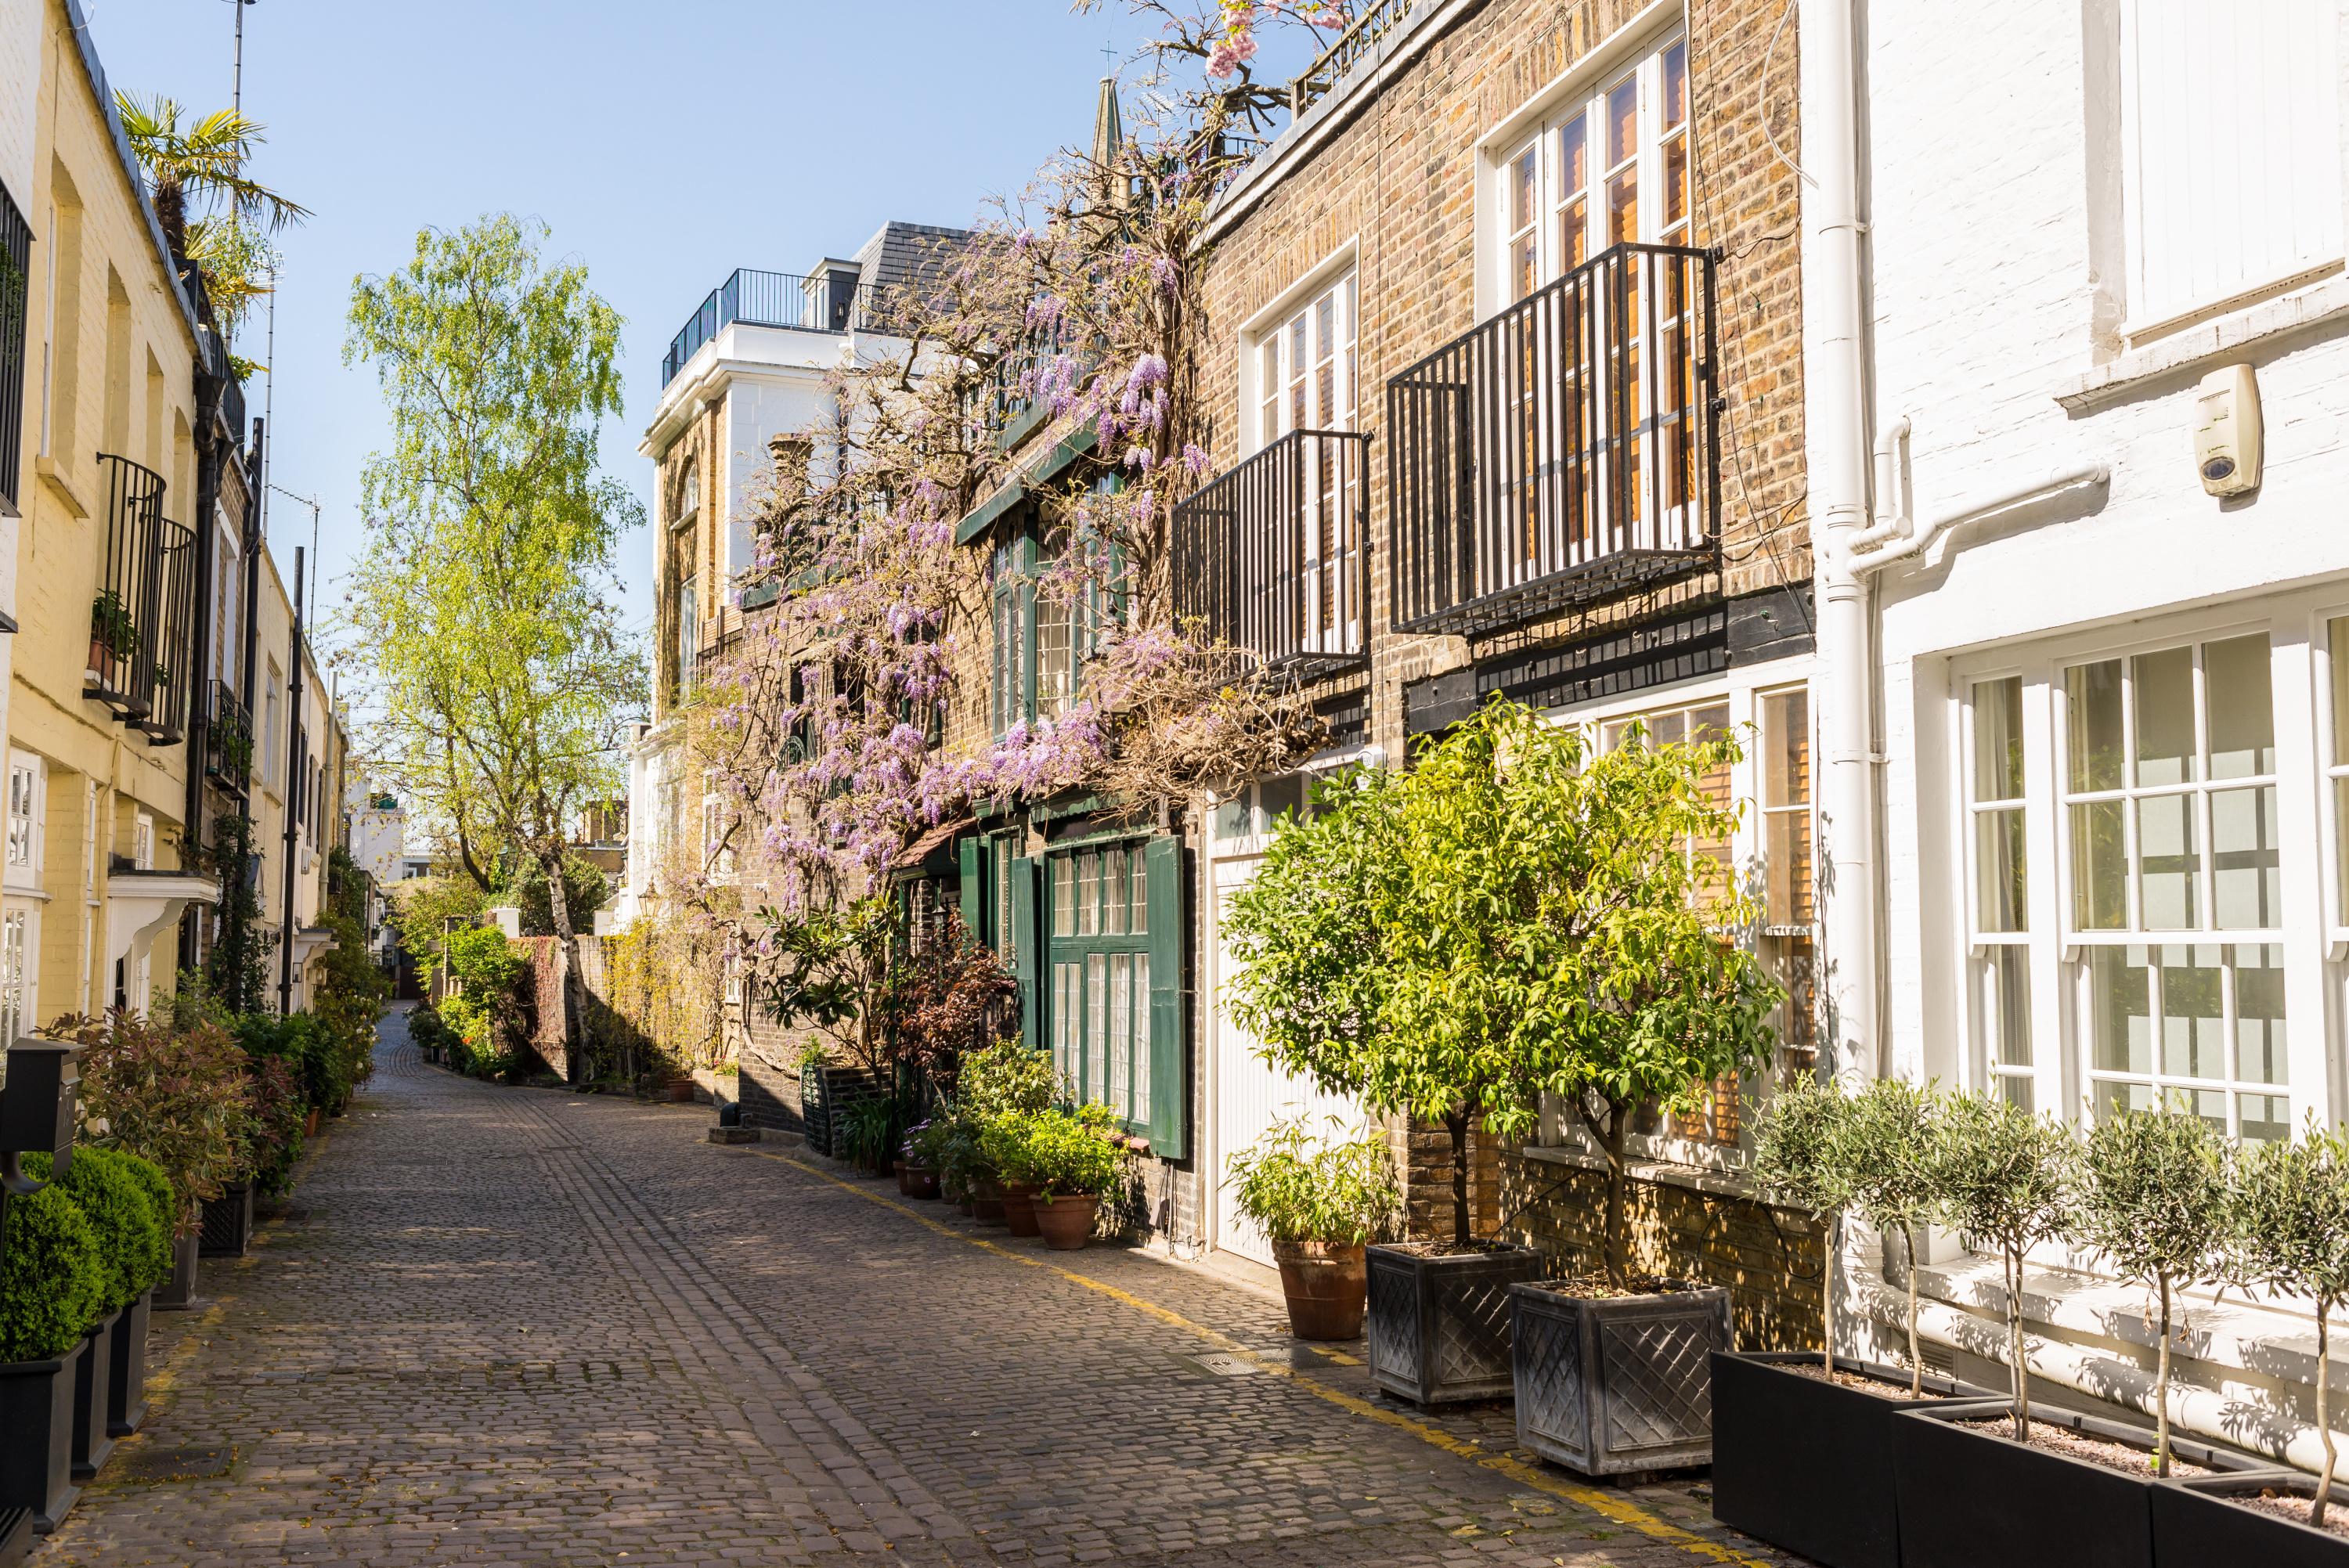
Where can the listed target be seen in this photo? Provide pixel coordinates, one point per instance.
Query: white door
(1249, 1095)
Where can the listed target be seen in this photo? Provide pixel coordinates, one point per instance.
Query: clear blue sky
(665, 143)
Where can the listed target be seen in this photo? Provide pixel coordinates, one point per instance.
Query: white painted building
(2111, 707)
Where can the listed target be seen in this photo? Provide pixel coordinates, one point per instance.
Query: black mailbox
(37, 1102)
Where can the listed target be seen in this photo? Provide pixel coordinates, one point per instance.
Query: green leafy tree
(1514, 916)
(484, 605)
(1800, 1158)
(2005, 1181)
(2289, 1231)
(1888, 1141)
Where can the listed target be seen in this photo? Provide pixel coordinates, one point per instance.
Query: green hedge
(134, 1242)
(53, 1281)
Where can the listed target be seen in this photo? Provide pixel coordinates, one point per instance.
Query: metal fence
(141, 621)
(820, 301)
(1273, 559)
(1349, 49)
(1563, 450)
(16, 278)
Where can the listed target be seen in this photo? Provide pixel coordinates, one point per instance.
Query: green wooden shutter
(974, 890)
(1170, 1085)
(1028, 954)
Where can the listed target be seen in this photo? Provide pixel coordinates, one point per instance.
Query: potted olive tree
(2288, 1231)
(1318, 1203)
(1801, 1441)
(1374, 956)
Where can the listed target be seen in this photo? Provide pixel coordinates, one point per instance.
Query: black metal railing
(1566, 450)
(1349, 49)
(15, 281)
(821, 302)
(141, 661)
(228, 740)
(1019, 395)
(1273, 558)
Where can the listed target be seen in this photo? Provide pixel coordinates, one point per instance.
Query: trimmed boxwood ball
(122, 1213)
(53, 1281)
(158, 1189)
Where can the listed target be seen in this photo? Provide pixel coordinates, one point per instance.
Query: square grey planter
(2195, 1523)
(227, 1224)
(126, 1378)
(178, 1291)
(1617, 1386)
(92, 1440)
(37, 1423)
(1439, 1327)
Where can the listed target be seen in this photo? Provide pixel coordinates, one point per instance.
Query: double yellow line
(1609, 1504)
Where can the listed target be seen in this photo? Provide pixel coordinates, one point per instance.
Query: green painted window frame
(1131, 1057)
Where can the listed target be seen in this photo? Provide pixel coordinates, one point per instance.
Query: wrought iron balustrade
(1565, 451)
(1362, 37)
(820, 301)
(141, 653)
(15, 280)
(228, 740)
(1273, 558)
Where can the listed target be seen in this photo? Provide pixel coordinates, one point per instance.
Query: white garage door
(1249, 1095)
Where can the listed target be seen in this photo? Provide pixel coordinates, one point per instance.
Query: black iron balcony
(228, 740)
(141, 661)
(1272, 559)
(1562, 453)
(821, 302)
(16, 276)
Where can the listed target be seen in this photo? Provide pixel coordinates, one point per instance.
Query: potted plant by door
(924, 1151)
(1003, 1139)
(131, 1251)
(1802, 1441)
(1004, 1080)
(2073, 1491)
(1076, 1160)
(1377, 954)
(1318, 1204)
(52, 1285)
(113, 637)
(126, 1381)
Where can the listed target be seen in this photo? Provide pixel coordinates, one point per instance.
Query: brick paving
(504, 1325)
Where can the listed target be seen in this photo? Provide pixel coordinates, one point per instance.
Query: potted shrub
(131, 1244)
(1003, 1143)
(126, 1382)
(1801, 1441)
(1074, 1159)
(925, 1157)
(113, 635)
(1004, 1080)
(1318, 1204)
(52, 1285)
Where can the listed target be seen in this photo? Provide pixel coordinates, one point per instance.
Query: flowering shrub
(178, 1096)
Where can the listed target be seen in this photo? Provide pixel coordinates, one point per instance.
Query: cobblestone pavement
(504, 1325)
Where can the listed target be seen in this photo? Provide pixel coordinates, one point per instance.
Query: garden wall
(1685, 1223)
(546, 1027)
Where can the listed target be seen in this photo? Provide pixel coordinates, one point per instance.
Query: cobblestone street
(523, 1326)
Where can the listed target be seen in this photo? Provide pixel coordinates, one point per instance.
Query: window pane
(2099, 867)
(2267, 1118)
(2016, 1091)
(1789, 865)
(1998, 739)
(2006, 1006)
(1623, 208)
(2094, 694)
(1064, 1019)
(2341, 842)
(1622, 120)
(1141, 1026)
(1139, 898)
(1121, 1031)
(1786, 742)
(1097, 1026)
(2235, 682)
(2170, 863)
(2246, 864)
(1088, 894)
(1524, 175)
(1281, 797)
(1064, 895)
(1676, 188)
(2120, 1011)
(2259, 1014)
(1675, 106)
(1573, 155)
(1666, 728)
(2112, 1098)
(2164, 708)
(1113, 893)
(1709, 723)
(1999, 900)
(2336, 637)
(2192, 1015)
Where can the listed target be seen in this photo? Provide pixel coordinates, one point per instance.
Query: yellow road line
(1611, 1505)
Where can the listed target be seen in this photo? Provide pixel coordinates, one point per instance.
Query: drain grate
(139, 1463)
(1222, 1364)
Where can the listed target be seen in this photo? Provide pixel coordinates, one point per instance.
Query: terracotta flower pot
(917, 1182)
(1326, 1284)
(905, 1187)
(1020, 1208)
(680, 1090)
(310, 1120)
(987, 1202)
(1066, 1222)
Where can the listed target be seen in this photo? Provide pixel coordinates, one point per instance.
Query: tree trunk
(2323, 1415)
(1617, 1236)
(1826, 1293)
(1916, 1360)
(558, 908)
(2014, 1345)
(1455, 1123)
(2162, 1389)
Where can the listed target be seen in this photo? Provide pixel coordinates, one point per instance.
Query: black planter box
(1807, 1464)
(1969, 1498)
(1617, 1386)
(92, 1381)
(16, 1535)
(126, 1378)
(1439, 1327)
(178, 1291)
(36, 1424)
(2193, 1523)
(228, 1222)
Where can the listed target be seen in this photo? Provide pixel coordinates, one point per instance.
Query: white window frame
(28, 828)
(2061, 1075)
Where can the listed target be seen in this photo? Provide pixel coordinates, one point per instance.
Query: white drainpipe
(1836, 418)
